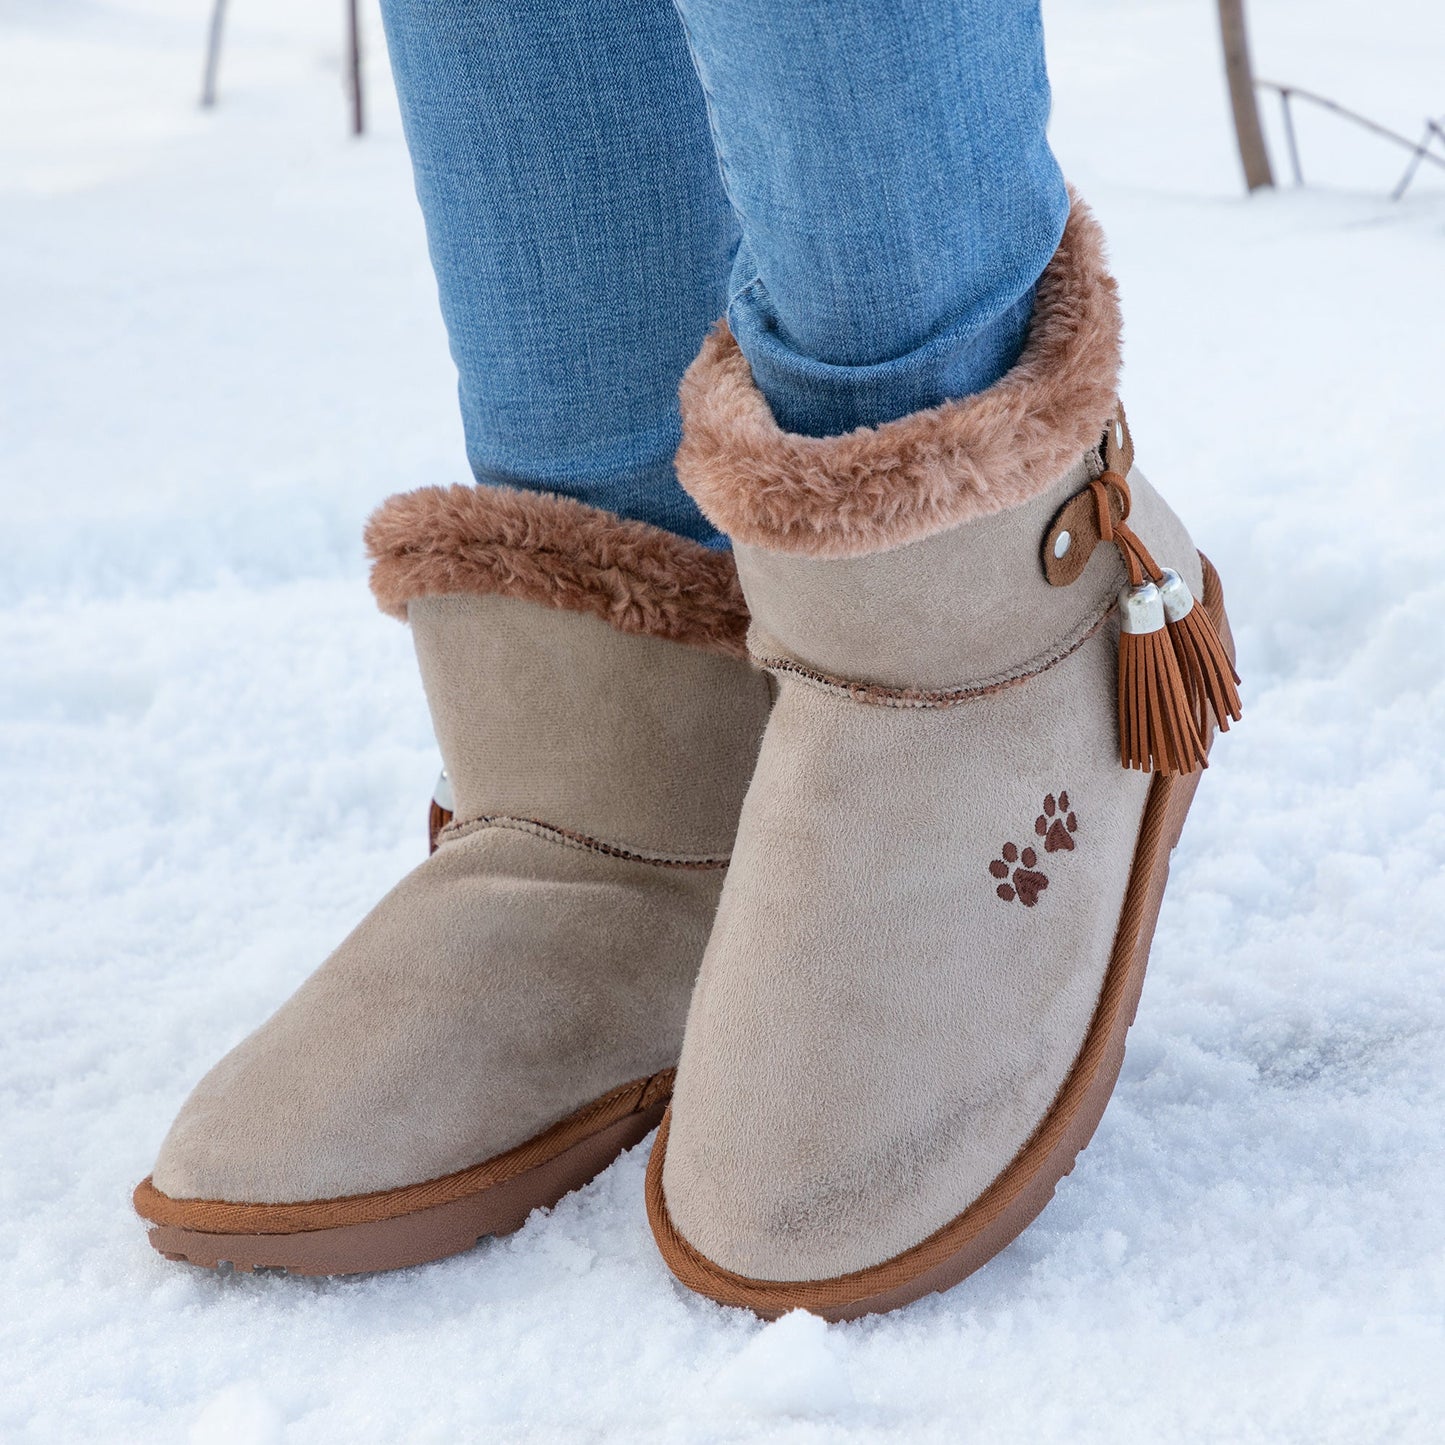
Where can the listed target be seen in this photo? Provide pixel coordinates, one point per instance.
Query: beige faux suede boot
(933, 934)
(507, 1019)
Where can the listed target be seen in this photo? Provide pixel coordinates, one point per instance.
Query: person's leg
(517, 1002)
(896, 193)
(998, 663)
(579, 232)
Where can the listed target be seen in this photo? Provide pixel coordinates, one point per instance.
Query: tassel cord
(1175, 678)
(1169, 673)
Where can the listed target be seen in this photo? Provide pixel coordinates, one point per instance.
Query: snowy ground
(219, 349)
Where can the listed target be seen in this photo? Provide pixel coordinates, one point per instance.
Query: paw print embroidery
(1027, 883)
(1056, 825)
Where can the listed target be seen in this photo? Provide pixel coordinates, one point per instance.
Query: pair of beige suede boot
(849, 844)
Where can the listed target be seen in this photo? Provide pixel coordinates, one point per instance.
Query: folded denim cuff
(818, 398)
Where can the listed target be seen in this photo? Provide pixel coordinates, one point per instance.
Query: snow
(792, 1367)
(219, 349)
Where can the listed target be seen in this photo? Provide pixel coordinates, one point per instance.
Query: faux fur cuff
(558, 552)
(879, 487)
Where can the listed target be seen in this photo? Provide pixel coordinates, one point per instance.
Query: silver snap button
(1062, 543)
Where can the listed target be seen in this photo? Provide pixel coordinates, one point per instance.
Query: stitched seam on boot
(568, 839)
(875, 695)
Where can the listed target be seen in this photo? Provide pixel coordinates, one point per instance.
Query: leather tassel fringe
(1157, 728)
(1176, 682)
(437, 819)
(442, 811)
(1209, 676)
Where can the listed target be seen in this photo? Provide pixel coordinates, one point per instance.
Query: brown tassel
(437, 819)
(1156, 721)
(1209, 677)
(1174, 674)
(441, 812)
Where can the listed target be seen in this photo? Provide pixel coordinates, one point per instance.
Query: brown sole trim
(1012, 1202)
(368, 1239)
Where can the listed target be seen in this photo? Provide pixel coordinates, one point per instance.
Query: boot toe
(459, 1020)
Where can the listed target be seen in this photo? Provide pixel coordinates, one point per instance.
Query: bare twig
(1352, 115)
(353, 67)
(353, 61)
(1420, 150)
(213, 54)
(1247, 130)
(1299, 178)
(1432, 133)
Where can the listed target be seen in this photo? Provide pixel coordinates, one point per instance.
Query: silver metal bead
(442, 793)
(1062, 543)
(1141, 609)
(1178, 599)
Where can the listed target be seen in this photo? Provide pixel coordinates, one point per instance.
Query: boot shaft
(964, 609)
(556, 717)
(584, 672)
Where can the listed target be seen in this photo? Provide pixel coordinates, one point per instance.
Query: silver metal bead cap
(442, 793)
(1178, 599)
(1141, 609)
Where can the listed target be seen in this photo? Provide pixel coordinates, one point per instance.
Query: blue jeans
(864, 187)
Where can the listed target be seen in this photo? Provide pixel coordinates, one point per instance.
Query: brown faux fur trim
(880, 487)
(559, 552)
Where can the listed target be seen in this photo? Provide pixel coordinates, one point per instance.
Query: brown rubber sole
(1012, 1202)
(393, 1228)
